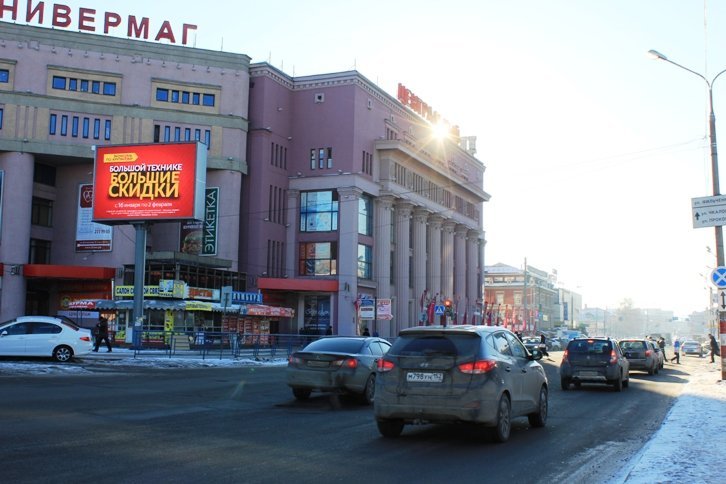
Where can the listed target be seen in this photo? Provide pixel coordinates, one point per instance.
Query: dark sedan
(345, 364)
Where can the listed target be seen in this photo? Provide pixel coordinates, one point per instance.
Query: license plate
(427, 377)
(318, 364)
(587, 373)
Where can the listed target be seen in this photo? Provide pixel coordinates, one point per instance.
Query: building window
(321, 158)
(84, 85)
(39, 251)
(312, 159)
(365, 261)
(185, 97)
(1, 118)
(207, 99)
(162, 94)
(4, 75)
(187, 134)
(157, 133)
(195, 98)
(107, 130)
(44, 174)
(177, 133)
(86, 126)
(95, 87)
(96, 128)
(319, 211)
(167, 134)
(318, 259)
(59, 83)
(330, 157)
(208, 138)
(109, 88)
(64, 125)
(53, 124)
(316, 315)
(42, 212)
(365, 215)
(72, 84)
(74, 127)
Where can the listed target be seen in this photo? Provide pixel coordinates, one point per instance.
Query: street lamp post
(716, 191)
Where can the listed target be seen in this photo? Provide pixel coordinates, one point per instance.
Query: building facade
(330, 192)
(63, 93)
(521, 299)
(352, 198)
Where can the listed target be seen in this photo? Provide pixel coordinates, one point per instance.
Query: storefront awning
(53, 271)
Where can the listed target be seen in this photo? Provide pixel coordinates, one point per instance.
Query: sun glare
(440, 130)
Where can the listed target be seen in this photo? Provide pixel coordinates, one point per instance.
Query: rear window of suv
(632, 345)
(436, 345)
(589, 346)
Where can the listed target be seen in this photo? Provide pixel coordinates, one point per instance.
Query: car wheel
(565, 383)
(370, 390)
(539, 418)
(501, 431)
(301, 393)
(390, 428)
(618, 383)
(62, 354)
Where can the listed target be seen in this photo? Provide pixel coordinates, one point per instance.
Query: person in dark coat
(543, 345)
(714, 347)
(102, 334)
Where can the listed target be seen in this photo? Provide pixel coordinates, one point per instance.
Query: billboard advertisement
(159, 181)
(199, 237)
(90, 236)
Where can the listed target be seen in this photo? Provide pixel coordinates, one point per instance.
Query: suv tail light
(385, 365)
(648, 353)
(477, 367)
(564, 357)
(613, 357)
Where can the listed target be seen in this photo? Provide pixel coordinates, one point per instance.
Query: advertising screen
(160, 181)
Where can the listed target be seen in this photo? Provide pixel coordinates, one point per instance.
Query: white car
(44, 336)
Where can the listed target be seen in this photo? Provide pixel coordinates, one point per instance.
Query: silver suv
(459, 374)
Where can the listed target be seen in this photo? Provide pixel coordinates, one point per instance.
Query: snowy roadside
(689, 446)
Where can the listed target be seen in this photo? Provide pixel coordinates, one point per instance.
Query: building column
(447, 259)
(460, 269)
(403, 293)
(291, 217)
(472, 271)
(347, 260)
(17, 203)
(420, 215)
(382, 259)
(434, 262)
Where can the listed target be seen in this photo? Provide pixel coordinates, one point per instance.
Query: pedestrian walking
(661, 345)
(366, 332)
(715, 350)
(677, 351)
(543, 345)
(102, 334)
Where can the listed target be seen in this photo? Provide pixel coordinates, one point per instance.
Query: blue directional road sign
(438, 310)
(718, 277)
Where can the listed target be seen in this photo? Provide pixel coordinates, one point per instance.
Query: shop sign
(159, 181)
(383, 308)
(128, 291)
(418, 106)
(203, 293)
(172, 288)
(197, 306)
(59, 15)
(246, 297)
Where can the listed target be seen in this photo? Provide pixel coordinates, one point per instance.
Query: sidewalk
(689, 446)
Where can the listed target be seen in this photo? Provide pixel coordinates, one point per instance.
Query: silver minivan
(459, 374)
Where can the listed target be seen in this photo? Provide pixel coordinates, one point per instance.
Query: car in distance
(44, 336)
(480, 375)
(340, 364)
(594, 360)
(641, 355)
(659, 352)
(692, 347)
(532, 343)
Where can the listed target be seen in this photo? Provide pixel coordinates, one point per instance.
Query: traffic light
(447, 307)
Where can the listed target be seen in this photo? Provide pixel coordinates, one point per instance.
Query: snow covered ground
(689, 446)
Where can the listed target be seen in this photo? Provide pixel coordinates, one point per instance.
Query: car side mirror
(536, 354)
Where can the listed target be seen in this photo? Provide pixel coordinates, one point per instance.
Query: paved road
(242, 425)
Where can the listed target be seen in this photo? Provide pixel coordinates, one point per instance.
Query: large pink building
(328, 191)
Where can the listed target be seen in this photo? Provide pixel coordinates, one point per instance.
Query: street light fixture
(716, 190)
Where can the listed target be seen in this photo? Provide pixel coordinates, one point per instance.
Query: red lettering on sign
(86, 16)
(185, 31)
(165, 32)
(110, 19)
(61, 15)
(138, 30)
(13, 8)
(30, 12)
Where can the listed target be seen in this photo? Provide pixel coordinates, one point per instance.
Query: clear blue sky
(593, 150)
